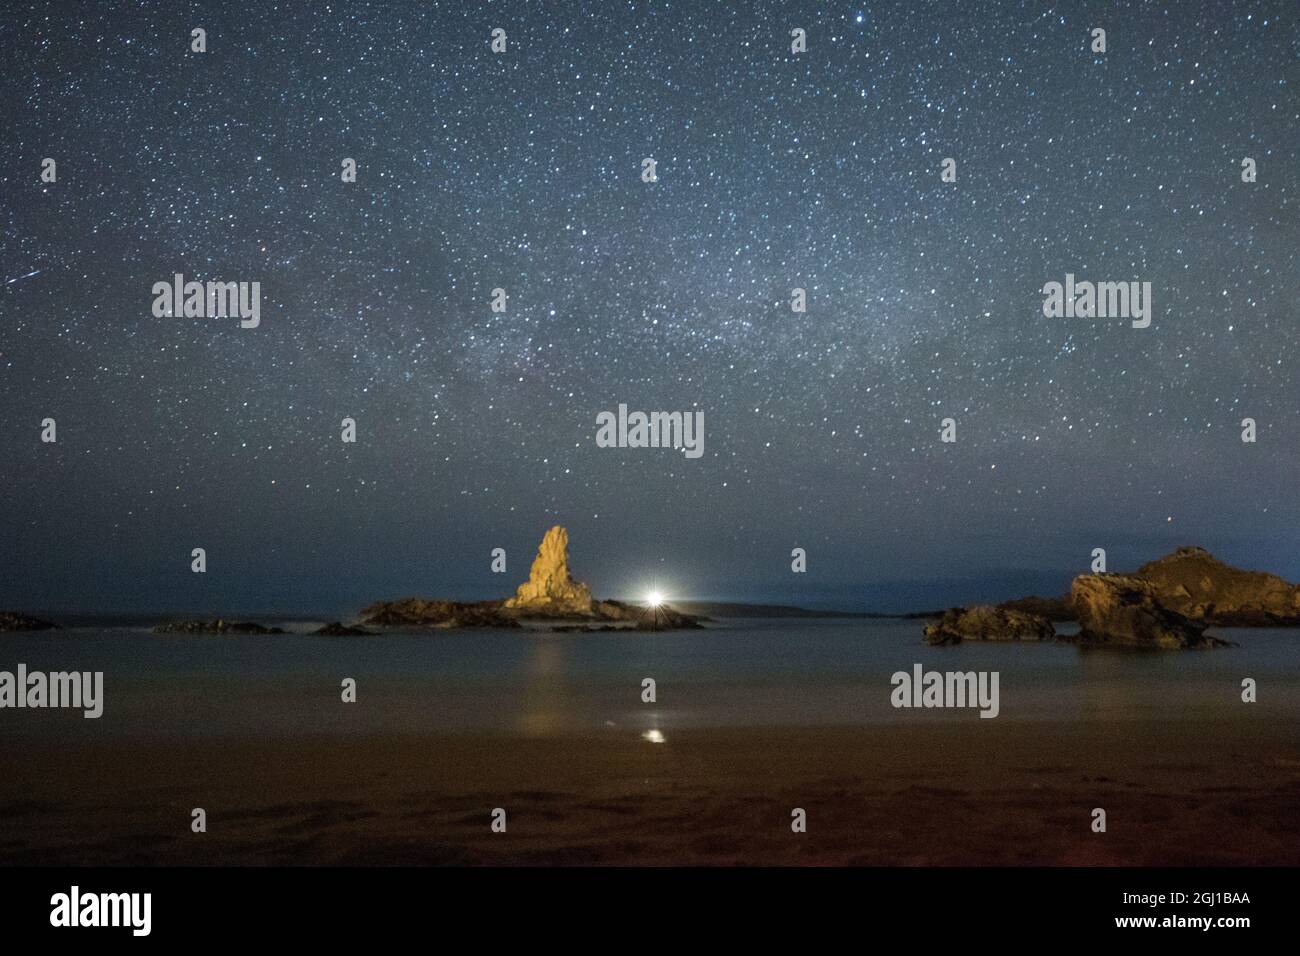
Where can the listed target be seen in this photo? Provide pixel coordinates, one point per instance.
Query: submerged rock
(986, 623)
(1124, 610)
(1197, 585)
(218, 626)
(14, 621)
(338, 629)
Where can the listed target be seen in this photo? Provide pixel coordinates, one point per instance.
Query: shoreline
(958, 794)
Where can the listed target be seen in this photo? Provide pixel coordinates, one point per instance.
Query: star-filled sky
(522, 170)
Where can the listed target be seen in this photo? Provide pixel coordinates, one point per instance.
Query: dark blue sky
(522, 171)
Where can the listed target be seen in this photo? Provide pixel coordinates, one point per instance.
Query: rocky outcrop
(640, 617)
(1125, 610)
(987, 623)
(601, 616)
(1197, 585)
(1052, 608)
(13, 621)
(218, 626)
(1192, 582)
(550, 591)
(338, 629)
(418, 612)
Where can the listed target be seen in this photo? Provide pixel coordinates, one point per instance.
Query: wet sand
(975, 793)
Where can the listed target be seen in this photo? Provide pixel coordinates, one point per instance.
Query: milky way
(522, 170)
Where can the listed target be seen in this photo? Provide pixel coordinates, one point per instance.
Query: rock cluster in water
(217, 626)
(1166, 603)
(550, 594)
(986, 623)
(339, 629)
(419, 612)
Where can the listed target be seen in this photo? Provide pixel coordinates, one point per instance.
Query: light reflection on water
(542, 700)
(740, 674)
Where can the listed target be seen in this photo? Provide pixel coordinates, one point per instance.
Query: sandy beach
(960, 793)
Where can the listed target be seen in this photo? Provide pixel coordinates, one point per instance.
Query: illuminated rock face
(1124, 610)
(549, 588)
(1198, 585)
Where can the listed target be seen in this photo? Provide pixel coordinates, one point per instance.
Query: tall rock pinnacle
(549, 588)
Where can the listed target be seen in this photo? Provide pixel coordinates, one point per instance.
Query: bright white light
(654, 736)
(654, 599)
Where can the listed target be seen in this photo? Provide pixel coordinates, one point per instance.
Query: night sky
(522, 170)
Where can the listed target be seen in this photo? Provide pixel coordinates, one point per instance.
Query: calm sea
(736, 673)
